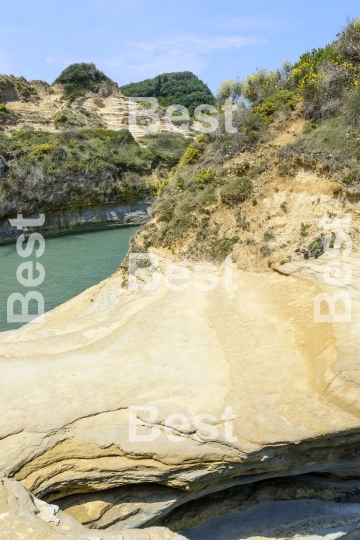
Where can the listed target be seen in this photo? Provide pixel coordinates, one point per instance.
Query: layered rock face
(109, 109)
(218, 413)
(71, 221)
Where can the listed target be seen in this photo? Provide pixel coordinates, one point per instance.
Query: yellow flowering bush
(323, 76)
(191, 155)
(161, 186)
(321, 79)
(41, 150)
(205, 176)
(228, 89)
(257, 86)
(306, 73)
(260, 85)
(60, 119)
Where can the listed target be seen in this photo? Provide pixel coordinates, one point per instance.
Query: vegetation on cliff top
(183, 88)
(12, 88)
(80, 78)
(75, 168)
(97, 166)
(323, 86)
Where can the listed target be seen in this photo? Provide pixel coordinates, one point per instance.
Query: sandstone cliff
(68, 385)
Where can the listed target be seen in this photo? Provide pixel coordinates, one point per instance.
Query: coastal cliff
(209, 388)
(72, 221)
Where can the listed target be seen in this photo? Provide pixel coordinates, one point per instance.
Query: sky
(131, 40)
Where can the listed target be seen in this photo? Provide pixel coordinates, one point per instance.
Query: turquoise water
(72, 264)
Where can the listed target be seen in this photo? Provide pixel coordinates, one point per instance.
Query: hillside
(182, 88)
(258, 194)
(40, 106)
(68, 146)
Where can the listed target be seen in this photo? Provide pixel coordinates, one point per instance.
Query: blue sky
(131, 40)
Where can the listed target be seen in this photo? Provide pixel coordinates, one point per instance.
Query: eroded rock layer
(280, 392)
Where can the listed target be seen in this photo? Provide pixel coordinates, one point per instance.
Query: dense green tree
(180, 88)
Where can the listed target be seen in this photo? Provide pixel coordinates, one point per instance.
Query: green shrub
(309, 126)
(235, 191)
(322, 76)
(60, 119)
(348, 44)
(7, 116)
(352, 107)
(305, 72)
(23, 88)
(284, 169)
(260, 85)
(280, 100)
(251, 130)
(352, 177)
(204, 198)
(220, 248)
(166, 148)
(265, 251)
(251, 124)
(283, 206)
(176, 229)
(95, 166)
(258, 169)
(78, 78)
(330, 148)
(241, 168)
(165, 209)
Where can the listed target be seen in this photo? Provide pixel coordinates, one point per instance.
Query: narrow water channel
(72, 264)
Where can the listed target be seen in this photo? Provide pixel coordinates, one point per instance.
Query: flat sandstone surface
(293, 385)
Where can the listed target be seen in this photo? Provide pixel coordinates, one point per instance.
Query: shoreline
(89, 219)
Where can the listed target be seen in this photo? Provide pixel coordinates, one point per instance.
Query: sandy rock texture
(109, 109)
(26, 517)
(280, 392)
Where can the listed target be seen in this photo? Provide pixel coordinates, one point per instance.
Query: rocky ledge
(268, 437)
(78, 220)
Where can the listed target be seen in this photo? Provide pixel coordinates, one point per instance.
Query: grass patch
(333, 147)
(304, 231)
(268, 235)
(235, 191)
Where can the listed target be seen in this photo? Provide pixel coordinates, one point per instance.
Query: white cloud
(179, 53)
(146, 59)
(255, 23)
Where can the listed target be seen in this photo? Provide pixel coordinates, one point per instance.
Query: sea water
(72, 264)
